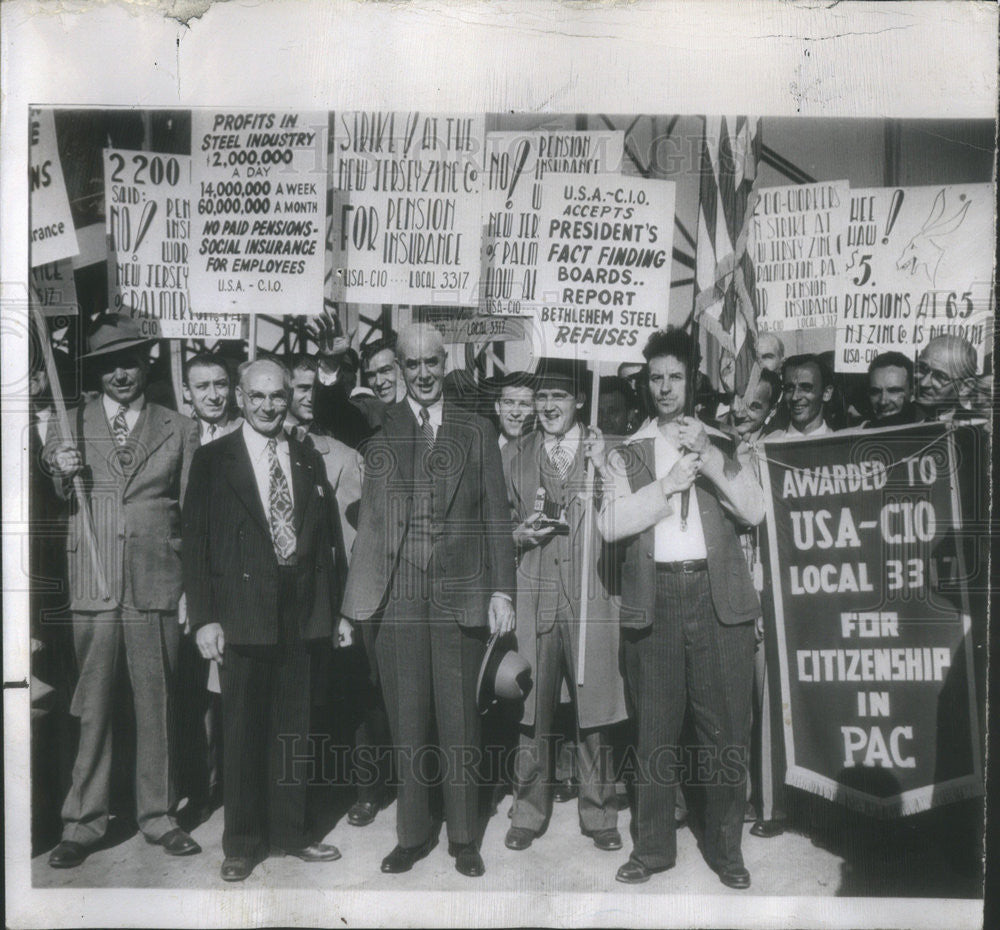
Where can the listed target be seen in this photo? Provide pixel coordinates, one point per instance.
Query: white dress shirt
(260, 460)
(434, 412)
(43, 417)
(205, 433)
(672, 544)
(132, 410)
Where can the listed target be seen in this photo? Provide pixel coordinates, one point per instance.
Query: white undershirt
(672, 544)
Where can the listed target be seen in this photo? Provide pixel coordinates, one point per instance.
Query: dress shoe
(67, 855)
(362, 813)
(635, 873)
(401, 859)
(467, 859)
(565, 791)
(734, 877)
(519, 838)
(176, 843)
(237, 868)
(608, 840)
(316, 852)
(767, 829)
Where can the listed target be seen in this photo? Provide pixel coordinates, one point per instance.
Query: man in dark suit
(259, 579)
(133, 457)
(687, 612)
(432, 569)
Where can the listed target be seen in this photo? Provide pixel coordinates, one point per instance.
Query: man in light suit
(432, 571)
(260, 585)
(687, 611)
(133, 457)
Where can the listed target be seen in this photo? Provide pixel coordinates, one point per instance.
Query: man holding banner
(547, 468)
(133, 457)
(675, 502)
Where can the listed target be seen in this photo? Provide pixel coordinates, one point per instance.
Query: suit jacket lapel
(151, 430)
(301, 481)
(454, 442)
(241, 477)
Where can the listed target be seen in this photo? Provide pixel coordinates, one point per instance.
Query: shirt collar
(571, 437)
(257, 443)
(111, 407)
(435, 411)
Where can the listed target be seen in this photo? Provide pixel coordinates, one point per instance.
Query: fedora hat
(567, 374)
(113, 332)
(504, 675)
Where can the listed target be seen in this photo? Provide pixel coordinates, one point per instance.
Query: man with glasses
(133, 458)
(945, 368)
(261, 590)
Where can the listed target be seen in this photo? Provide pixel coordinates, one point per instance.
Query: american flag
(725, 304)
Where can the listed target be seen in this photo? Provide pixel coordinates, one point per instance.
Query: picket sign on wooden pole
(90, 541)
(252, 337)
(177, 371)
(588, 535)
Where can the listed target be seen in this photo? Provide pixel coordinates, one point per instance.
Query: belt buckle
(687, 567)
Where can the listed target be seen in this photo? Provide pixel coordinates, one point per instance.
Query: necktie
(425, 427)
(119, 426)
(561, 458)
(280, 517)
(211, 431)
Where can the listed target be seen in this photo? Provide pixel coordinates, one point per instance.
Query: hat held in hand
(504, 675)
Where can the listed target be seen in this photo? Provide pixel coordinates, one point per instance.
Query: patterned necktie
(280, 517)
(425, 427)
(119, 426)
(211, 431)
(561, 458)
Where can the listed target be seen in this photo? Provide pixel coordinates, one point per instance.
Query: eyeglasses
(938, 377)
(256, 399)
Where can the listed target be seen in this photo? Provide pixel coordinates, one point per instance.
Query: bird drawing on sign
(923, 251)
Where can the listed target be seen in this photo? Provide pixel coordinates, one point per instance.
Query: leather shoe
(635, 873)
(176, 843)
(467, 859)
(362, 813)
(316, 852)
(519, 838)
(767, 829)
(735, 877)
(237, 868)
(67, 855)
(608, 840)
(565, 791)
(401, 859)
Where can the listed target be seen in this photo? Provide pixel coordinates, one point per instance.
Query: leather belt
(688, 567)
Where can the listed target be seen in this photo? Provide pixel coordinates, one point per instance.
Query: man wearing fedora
(547, 488)
(133, 457)
(432, 568)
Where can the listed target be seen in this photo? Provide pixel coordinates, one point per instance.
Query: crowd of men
(422, 522)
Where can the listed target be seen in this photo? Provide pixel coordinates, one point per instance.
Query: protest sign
(919, 263)
(872, 620)
(258, 210)
(459, 325)
(406, 207)
(52, 233)
(53, 289)
(148, 217)
(797, 235)
(604, 265)
(516, 163)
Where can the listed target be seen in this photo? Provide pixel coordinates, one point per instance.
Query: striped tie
(425, 427)
(119, 426)
(561, 459)
(280, 517)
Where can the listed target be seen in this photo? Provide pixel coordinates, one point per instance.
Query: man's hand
(211, 641)
(65, 460)
(502, 617)
(527, 535)
(344, 636)
(691, 435)
(325, 330)
(593, 447)
(682, 475)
